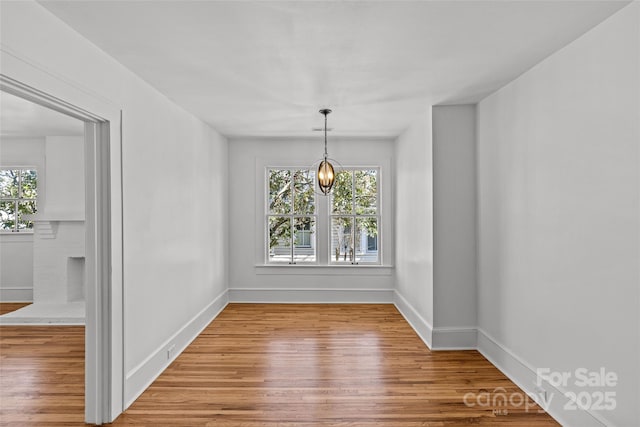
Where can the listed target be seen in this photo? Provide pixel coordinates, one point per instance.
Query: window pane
(303, 197)
(366, 191)
(7, 215)
(341, 239)
(279, 239)
(366, 205)
(29, 184)
(342, 193)
(366, 239)
(304, 240)
(27, 207)
(9, 183)
(279, 191)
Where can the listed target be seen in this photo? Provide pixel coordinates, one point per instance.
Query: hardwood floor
(8, 307)
(41, 375)
(279, 365)
(307, 365)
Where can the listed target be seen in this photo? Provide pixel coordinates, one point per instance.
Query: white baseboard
(417, 322)
(454, 338)
(515, 368)
(16, 294)
(140, 378)
(524, 376)
(302, 295)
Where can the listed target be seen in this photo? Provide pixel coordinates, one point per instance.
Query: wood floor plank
(272, 365)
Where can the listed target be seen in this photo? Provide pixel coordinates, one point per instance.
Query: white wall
(249, 279)
(414, 225)
(454, 226)
(174, 187)
(27, 151)
(16, 256)
(16, 267)
(65, 176)
(559, 216)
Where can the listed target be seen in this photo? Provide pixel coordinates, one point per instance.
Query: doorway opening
(83, 272)
(42, 214)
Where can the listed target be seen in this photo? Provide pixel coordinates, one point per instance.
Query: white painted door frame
(103, 330)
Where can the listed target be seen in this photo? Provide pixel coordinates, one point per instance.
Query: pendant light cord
(325, 136)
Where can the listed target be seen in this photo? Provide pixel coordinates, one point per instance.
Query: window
(18, 193)
(345, 225)
(354, 217)
(291, 216)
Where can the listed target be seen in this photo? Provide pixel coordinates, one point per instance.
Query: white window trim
(323, 266)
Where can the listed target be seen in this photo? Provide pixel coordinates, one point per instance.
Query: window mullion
(292, 231)
(16, 204)
(353, 238)
(353, 192)
(323, 227)
(292, 217)
(20, 195)
(19, 184)
(353, 220)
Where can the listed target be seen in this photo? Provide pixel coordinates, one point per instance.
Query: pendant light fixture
(326, 173)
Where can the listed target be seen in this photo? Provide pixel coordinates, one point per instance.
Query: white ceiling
(22, 118)
(266, 67)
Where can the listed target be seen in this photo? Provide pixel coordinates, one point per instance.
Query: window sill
(16, 237)
(325, 270)
(16, 233)
(56, 216)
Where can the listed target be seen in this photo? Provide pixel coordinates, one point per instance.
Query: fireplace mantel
(46, 224)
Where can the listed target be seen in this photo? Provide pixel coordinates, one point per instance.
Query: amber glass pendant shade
(326, 176)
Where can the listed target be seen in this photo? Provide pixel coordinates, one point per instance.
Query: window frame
(322, 217)
(292, 217)
(17, 200)
(354, 217)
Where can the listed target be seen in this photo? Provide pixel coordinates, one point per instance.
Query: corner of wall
(454, 227)
(420, 325)
(455, 338)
